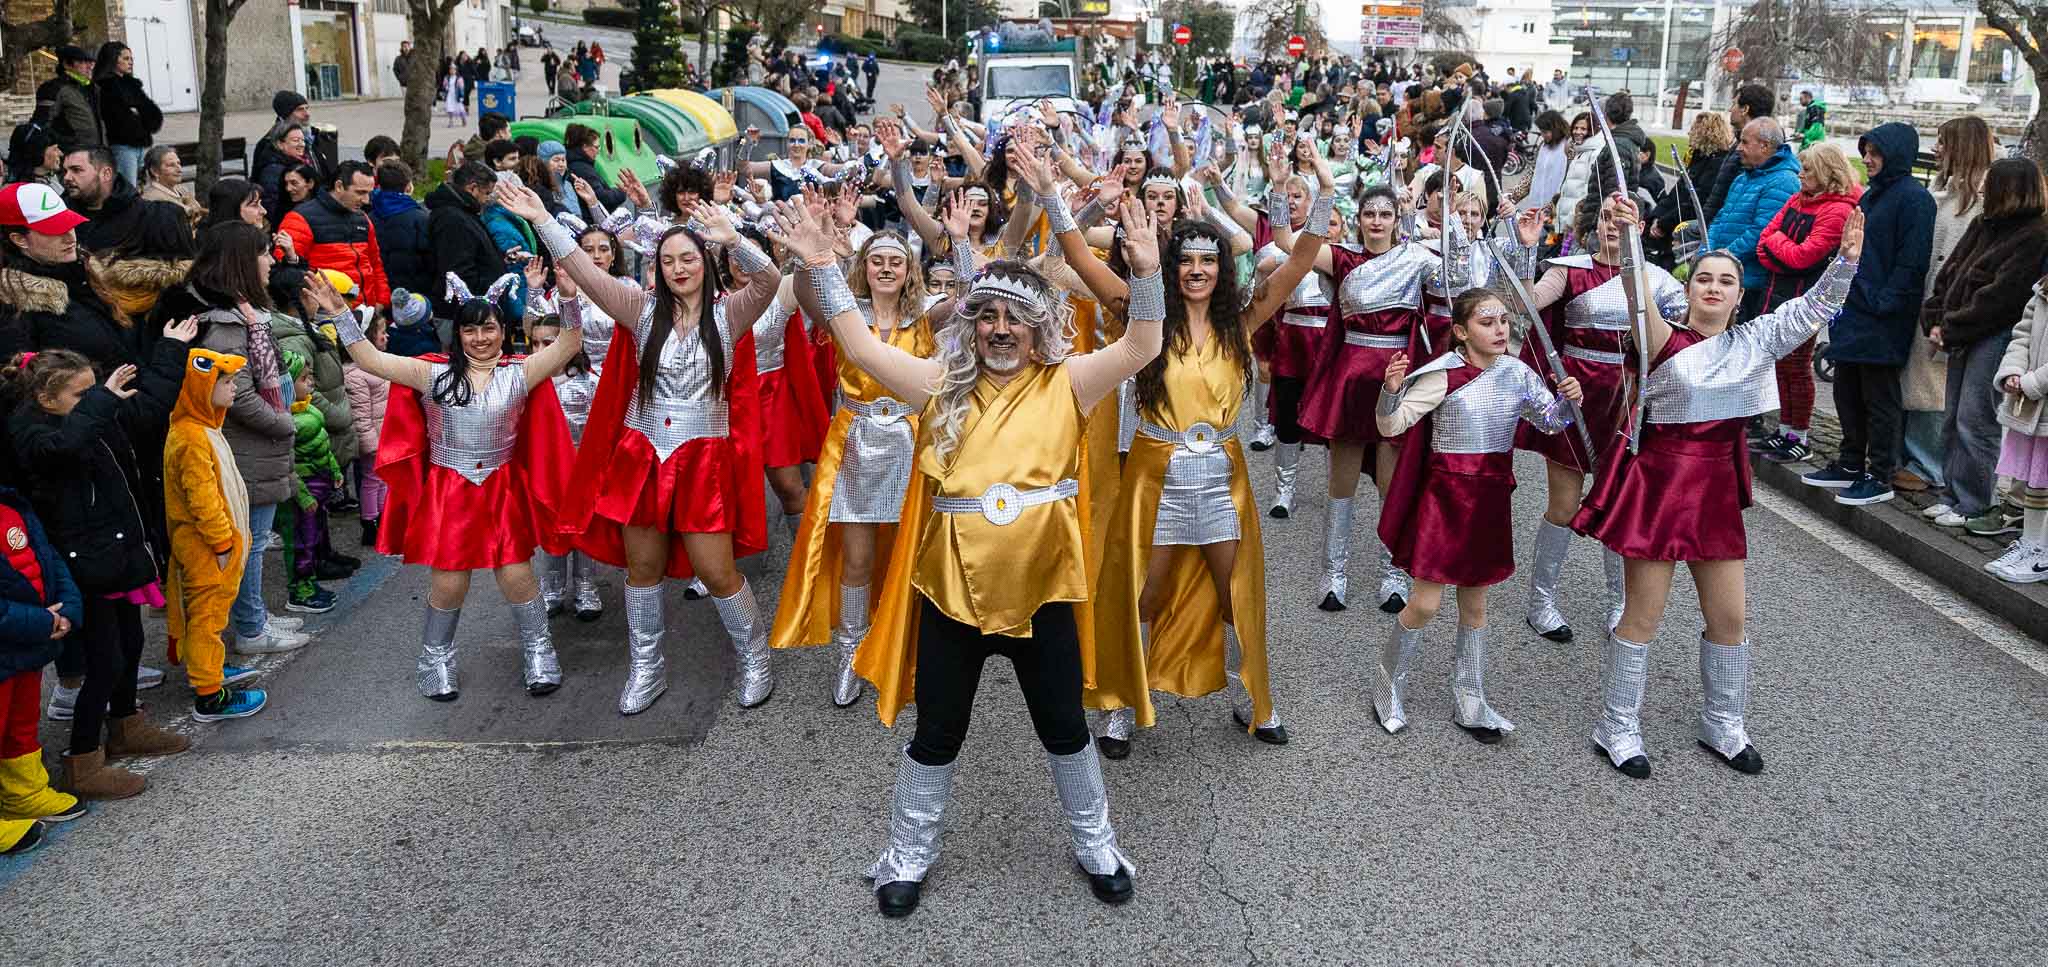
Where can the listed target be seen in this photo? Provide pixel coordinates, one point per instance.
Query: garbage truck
(1018, 63)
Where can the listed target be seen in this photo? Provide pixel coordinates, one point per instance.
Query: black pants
(871, 85)
(949, 660)
(1286, 399)
(1870, 403)
(112, 643)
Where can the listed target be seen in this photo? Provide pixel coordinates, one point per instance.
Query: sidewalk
(1949, 555)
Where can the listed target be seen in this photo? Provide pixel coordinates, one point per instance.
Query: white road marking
(1971, 618)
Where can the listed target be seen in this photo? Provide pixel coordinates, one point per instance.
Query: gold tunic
(1185, 654)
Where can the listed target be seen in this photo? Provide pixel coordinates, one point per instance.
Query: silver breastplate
(1391, 281)
(597, 334)
(1481, 416)
(1605, 306)
(1311, 296)
(770, 333)
(476, 439)
(576, 393)
(682, 407)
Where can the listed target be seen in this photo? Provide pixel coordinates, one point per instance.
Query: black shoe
(1112, 888)
(331, 570)
(1634, 767)
(1562, 634)
(589, 616)
(1277, 735)
(346, 505)
(447, 696)
(344, 560)
(1788, 451)
(1277, 513)
(1393, 605)
(370, 533)
(692, 594)
(555, 610)
(898, 898)
(77, 809)
(1112, 748)
(1330, 602)
(1749, 762)
(1485, 735)
(1757, 430)
(1765, 444)
(538, 689)
(34, 838)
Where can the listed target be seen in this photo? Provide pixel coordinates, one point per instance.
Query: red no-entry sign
(1297, 45)
(1182, 35)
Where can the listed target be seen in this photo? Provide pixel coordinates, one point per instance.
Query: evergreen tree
(657, 48)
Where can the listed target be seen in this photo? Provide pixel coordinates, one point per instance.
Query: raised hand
(1029, 165)
(1141, 238)
(521, 201)
(1852, 236)
(797, 229)
(1529, 227)
(1207, 174)
(184, 330)
(936, 100)
(118, 380)
(635, 191)
(1397, 373)
(890, 137)
(565, 288)
(721, 186)
(716, 225)
(585, 193)
(536, 273)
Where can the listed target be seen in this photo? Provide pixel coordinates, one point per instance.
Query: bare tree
(1829, 41)
(428, 20)
(2026, 25)
(213, 92)
(19, 38)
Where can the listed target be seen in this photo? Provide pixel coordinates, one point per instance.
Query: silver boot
(1286, 460)
(539, 667)
(551, 571)
(915, 820)
(1078, 778)
(1724, 677)
(1553, 545)
(588, 604)
(1624, 676)
(1617, 587)
(1241, 698)
(1390, 676)
(1395, 585)
(1468, 684)
(852, 627)
(437, 654)
(742, 619)
(647, 675)
(1336, 553)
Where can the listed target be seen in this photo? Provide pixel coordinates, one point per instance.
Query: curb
(1894, 528)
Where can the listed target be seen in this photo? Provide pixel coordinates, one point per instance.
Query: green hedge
(875, 35)
(611, 17)
(843, 44)
(920, 46)
(539, 6)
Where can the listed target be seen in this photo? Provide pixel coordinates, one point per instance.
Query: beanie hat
(409, 308)
(283, 103)
(294, 363)
(551, 149)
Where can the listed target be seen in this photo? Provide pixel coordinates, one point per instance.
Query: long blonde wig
(959, 357)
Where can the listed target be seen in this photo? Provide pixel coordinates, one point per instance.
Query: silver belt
(1002, 503)
(1594, 355)
(1373, 340)
(680, 421)
(1200, 438)
(1304, 320)
(882, 410)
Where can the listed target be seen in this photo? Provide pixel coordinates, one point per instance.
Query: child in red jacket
(1794, 248)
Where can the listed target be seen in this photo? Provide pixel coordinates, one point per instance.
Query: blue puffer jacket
(25, 642)
(1877, 320)
(1752, 201)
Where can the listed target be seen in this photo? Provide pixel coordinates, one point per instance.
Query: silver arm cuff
(1223, 223)
(1090, 214)
(1391, 402)
(620, 219)
(560, 242)
(1224, 196)
(748, 257)
(899, 177)
(834, 297)
(1277, 210)
(963, 260)
(1057, 216)
(1148, 298)
(347, 326)
(1319, 213)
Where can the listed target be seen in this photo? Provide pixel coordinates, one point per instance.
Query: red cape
(541, 458)
(801, 375)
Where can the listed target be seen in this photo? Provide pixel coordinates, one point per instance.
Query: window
(1936, 42)
(1035, 80)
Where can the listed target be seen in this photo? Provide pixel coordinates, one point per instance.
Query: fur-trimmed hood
(131, 285)
(29, 292)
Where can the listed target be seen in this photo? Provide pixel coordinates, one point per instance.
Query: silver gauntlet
(1223, 193)
(553, 234)
(347, 326)
(899, 177)
(963, 261)
(1090, 214)
(829, 283)
(1277, 209)
(1148, 299)
(1319, 213)
(748, 258)
(1056, 214)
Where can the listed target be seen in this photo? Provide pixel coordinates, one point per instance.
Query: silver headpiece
(977, 191)
(1199, 243)
(1010, 287)
(1167, 181)
(887, 243)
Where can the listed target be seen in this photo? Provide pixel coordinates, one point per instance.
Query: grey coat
(259, 434)
(330, 394)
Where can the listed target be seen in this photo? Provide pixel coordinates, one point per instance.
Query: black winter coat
(25, 622)
(130, 117)
(1676, 206)
(586, 169)
(128, 225)
(461, 245)
(58, 307)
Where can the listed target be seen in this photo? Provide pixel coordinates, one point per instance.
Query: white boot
(1286, 459)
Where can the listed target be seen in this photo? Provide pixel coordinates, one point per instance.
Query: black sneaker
(332, 570)
(1834, 476)
(1765, 444)
(28, 842)
(1758, 430)
(1868, 490)
(1788, 451)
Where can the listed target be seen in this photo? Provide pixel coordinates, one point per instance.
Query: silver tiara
(977, 192)
(990, 283)
(1378, 204)
(1166, 180)
(1198, 243)
(887, 243)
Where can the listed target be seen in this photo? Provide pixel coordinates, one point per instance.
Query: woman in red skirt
(1680, 495)
(473, 453)
(668, 479)
(1448, 511)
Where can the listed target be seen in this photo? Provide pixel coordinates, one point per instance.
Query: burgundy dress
(1588, 325)
(1378, 308)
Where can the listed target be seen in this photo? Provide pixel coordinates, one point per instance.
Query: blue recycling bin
(498, 97)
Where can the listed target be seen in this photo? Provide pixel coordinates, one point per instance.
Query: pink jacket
(367, 393)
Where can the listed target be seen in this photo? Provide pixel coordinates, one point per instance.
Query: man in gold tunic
(999, 558)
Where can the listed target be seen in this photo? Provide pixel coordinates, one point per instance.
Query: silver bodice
(477, 438)
(682, 407)
(597, 333)
(1605, 306)
(770, 334)
(1393, 280)
(1311, 296)
(1729, 376)
(1481, 416)
(576, 393)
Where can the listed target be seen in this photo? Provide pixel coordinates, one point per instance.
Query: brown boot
(135, 735)
(89, 777)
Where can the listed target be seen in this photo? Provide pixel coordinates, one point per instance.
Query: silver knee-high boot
(1617, 586)
(1241, 708)
(588, 604)
(1725, 678)
(551, 572)
(647, 675)
(1286, 460)
(1468, 688)
(539, 667)
(437, 654)
(916, 817)
(1078, 779)
(847, 634)
(1624, 676)
(1336, 554)
(1553, 545)
(741, 616)
(1395, 585)
(1390, 676)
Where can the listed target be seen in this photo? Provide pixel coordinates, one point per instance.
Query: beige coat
(155, 190)
(1926, 381)
(2026, 357)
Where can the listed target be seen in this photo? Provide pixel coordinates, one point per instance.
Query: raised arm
(1405, 401)
(621, 299)
(822, 292)
(745, 305)
(1111, 291)
(1097, 374)
(1269, 295)
(546, 364)
(331, 309)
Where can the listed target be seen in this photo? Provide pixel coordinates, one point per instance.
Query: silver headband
(887, 243)
(977, 192)
(1379, 205)
(1198, 243)
(1166, 180)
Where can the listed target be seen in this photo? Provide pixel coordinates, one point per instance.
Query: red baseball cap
(33, 205)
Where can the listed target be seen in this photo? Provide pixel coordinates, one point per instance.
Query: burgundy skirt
(1603, 407)
(1680, 499)
(1295, 349)
(1341, 400)
(1461, 531)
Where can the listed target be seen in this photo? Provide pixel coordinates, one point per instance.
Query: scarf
(264, 362)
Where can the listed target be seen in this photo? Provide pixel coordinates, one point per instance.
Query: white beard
(1002, 366)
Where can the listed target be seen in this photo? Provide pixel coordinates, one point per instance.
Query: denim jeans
(128, 161)
(248, 615)
(1971, 435)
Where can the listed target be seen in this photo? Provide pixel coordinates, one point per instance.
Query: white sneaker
(1950, 519)
(2025, 563)
(278, 622)
(2015, 552)
(147, 678)
(1938, 510)
(63, 702)
(270, 643)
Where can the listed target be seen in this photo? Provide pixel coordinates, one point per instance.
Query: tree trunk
(2034, 141)
(706, 11)
(19, 40)
(213, 94)
(421, 88)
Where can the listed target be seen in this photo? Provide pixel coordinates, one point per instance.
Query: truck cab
(1019, 64)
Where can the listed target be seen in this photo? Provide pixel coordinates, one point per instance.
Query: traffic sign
(1155, 29)
(1182, 35)
(1731, 60)
(1391, 25)
(1297, 45)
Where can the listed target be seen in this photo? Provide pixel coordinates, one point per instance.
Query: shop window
(1936, 42)
(1993, 60)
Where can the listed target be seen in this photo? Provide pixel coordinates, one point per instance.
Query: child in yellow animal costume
(207, 508)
